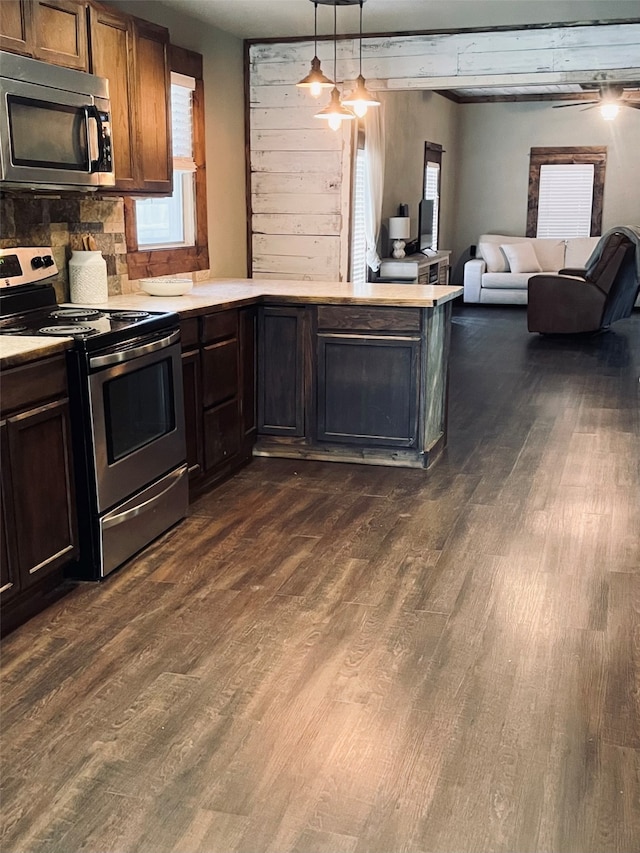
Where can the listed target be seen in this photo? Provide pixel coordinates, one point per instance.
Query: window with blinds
(358, 239)
(432, 191)
(565, 200)
(170, 222)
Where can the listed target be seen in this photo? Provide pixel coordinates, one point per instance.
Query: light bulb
(359, 108)
(335, 122)
(315, 90)
(609, 111)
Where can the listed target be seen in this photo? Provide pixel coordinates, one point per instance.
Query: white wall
(494, 163)
(411, 119)
(224, 128)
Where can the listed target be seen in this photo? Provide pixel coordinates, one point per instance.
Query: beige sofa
(500, 272)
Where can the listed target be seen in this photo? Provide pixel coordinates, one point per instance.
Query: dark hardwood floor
(327, 658)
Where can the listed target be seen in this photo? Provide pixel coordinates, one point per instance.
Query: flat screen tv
(425, 224)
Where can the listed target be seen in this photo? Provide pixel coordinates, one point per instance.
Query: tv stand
(417, 269)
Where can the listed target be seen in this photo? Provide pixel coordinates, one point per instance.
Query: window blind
(431, 184)
(358, 240)
(182, 88)
(565, 200)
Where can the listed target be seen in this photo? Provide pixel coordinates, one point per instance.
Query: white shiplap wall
(301, 170)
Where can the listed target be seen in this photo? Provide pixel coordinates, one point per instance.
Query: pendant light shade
(315, 81)
(334, 112)
(361, 98)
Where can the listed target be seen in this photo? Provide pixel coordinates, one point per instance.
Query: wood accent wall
(300, 171)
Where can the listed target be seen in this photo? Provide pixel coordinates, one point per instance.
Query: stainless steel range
(125, 390)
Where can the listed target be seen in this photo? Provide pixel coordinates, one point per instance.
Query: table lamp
(399, 231)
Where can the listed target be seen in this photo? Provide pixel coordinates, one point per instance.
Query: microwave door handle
(93, 112)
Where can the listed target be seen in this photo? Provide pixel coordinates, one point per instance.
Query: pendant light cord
(315, 28)
(361, 2)
(335, 43)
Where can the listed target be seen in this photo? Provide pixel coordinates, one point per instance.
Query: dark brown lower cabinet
(39, 536)
(281, 371)
(219, 390)
(368, 389)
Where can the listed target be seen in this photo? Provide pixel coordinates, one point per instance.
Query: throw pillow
(549, 252)
(521, 257)
(494, 257)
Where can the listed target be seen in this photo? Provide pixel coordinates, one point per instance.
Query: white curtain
(374, 166)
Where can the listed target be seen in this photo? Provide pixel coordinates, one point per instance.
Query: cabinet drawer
(33, 383)
(189, 333)
(362, 318)
(217, 327)
(219, 372)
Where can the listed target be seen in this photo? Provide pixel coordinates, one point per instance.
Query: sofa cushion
(506, 280)
(521, 257)
(549, 252)
(493, 256)
(578, 251)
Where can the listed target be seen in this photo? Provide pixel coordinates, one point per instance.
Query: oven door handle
(134, 352)
(127, 515)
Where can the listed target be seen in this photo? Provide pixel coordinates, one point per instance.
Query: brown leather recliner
(586, 300)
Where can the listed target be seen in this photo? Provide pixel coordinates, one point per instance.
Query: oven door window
(139, 409)
(65, 144)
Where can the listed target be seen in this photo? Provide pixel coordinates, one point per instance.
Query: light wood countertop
(230, 292)
(20, 349)
(219, 293)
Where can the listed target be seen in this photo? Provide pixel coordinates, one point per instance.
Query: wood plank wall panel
(301, 170)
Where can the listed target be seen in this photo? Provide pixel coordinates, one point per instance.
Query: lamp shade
(399, 227)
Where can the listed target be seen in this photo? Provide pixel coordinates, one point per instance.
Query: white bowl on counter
(166, 286)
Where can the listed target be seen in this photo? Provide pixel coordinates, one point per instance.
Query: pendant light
(361, 98)
(315, 81)
(335, 113)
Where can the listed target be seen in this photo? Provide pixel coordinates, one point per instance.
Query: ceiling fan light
(315, 80)
(609, 111)
(334, 112)
(361, 98)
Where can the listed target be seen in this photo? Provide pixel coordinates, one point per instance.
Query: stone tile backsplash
(60, 222)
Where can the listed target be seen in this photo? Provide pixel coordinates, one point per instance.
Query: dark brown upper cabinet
(134, 56)
(53, 31)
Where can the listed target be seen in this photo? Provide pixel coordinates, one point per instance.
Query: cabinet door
(112, 57)
(368, 389)
(192, 387)
(221, 434)
(9, 582)
(16, 34)
(281, 372)
(60, 33)
(43, 494)
(154, 162)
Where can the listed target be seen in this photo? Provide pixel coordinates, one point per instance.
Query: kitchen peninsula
(344, 373)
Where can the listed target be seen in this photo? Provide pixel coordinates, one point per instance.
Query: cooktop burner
(128, 315)
(12, 330)
(75, 314)
(66, 331)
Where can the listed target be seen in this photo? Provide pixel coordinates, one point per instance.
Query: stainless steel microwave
(55, 127)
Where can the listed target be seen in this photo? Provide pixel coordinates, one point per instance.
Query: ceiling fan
(610, 97)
